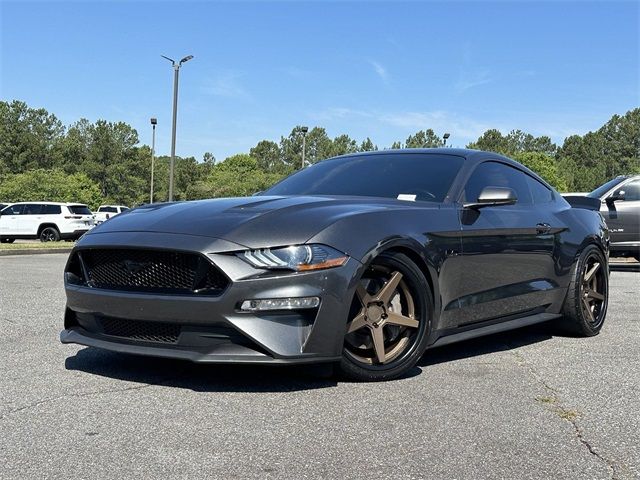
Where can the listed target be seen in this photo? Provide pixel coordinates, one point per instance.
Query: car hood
(252, 222)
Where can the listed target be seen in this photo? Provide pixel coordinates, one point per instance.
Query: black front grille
(140, 330)
(155, 271)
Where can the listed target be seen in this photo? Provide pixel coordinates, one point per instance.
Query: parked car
(620, 206)
(105, 212)
(48, 221)
(364, 260)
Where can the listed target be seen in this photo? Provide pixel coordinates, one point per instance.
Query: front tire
(49, 234)
(585, 307)
(389, 321)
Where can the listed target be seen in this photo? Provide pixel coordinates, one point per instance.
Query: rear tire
(585, 307)
(49, 234)
(389, 321)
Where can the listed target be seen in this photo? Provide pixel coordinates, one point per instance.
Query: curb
(34, 251)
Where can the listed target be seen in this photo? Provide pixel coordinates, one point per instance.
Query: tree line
(104, 162)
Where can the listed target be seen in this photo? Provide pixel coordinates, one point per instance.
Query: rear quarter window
(51, 210)
(539, 192)
(79, 209)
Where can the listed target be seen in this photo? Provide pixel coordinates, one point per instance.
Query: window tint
(32, 209)
(124, 209)
(494, 174)
(51, 210)
(539, 192)
(79, 209)
(13, 210)
(108, 209)
(632, 190)
(602, 189)
(424, 176)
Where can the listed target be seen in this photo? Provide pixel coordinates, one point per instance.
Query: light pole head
(186, 59)
(173, 62)
(446, 136)
(154, 121)
(304, 130)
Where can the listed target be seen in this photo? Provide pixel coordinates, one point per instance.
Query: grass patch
(36, 245)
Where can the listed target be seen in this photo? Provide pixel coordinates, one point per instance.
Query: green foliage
(237, 176)
(107, 156)
(50, 185)
(424, 139)
(27, 137)
(544, 165)
(514, 142)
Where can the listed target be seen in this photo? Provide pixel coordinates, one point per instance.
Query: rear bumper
(73, 235)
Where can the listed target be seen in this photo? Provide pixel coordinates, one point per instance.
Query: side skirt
(494, 328)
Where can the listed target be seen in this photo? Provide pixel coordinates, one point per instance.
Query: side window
(539, 192)
(13, 210)
(631, 191)
(51, 210)
(32, 209)
(495, 174)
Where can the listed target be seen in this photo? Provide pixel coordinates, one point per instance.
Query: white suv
(105, 212)
(48, 221)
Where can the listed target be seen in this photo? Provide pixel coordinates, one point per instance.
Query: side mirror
(493, 197)
(617, 196)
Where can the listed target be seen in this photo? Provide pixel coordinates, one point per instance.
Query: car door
(31, 219)
(10, 220)
(507, 250)
(621, 211)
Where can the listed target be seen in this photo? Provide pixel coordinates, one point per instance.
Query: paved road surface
(527, 404)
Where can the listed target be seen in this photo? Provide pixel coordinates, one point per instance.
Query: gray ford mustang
(365, 261)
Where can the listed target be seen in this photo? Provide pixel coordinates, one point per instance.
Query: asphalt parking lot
(527, 404)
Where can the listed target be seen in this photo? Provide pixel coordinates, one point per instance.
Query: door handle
(542, 228)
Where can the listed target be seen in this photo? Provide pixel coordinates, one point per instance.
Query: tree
(27, 137)
(237, 176)
(368, 146)
(50, 185)
(268, 156)
(342, 145)
(515, 141)
(544, 165)
(424, 139)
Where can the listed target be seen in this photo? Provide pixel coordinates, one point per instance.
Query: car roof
(65, 204)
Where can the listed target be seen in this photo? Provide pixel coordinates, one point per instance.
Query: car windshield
(602, 189)
(407, 176)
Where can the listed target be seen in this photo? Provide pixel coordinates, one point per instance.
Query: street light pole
(304, 142)
(176, 72)
(445, 137)
(154, 122)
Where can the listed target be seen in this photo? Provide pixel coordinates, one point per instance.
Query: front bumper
(212, 329)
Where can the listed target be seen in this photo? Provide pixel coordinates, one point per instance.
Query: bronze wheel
(593, 290)
(585, 307)
(388, 320)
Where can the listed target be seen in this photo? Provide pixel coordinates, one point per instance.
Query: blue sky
(377, 69)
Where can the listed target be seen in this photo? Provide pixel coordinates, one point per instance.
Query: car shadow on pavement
(497, 342)
(200, 377)
(267, 378)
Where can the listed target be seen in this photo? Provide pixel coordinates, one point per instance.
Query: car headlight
(300, 258)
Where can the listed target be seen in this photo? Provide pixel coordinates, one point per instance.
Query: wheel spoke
(595, 295)
(378, 344)
(588, 308)
(397, 319)
(357, 323)
(363, 296)
(591, 273)
(386, 292)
